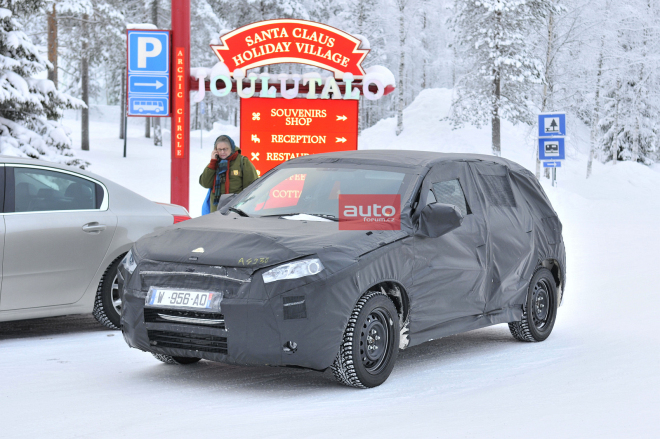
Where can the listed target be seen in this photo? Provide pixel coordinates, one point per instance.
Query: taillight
(179, 218)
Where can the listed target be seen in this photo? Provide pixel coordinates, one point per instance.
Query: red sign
(276, 130)
(369, 212)
(291, 41)
(178, 122)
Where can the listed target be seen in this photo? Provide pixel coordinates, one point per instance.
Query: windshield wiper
(320, 215)
(238, 211)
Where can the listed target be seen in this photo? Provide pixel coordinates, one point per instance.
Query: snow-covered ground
(597, 376)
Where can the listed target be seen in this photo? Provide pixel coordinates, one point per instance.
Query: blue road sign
(148, 73)
(551, 149)
(144, 84)
(552, 164)
(148, 106)
(148, 52)
(552, 125)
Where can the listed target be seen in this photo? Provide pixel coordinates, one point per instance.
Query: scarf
(222, 170)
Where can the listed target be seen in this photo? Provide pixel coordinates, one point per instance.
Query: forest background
(597, 60)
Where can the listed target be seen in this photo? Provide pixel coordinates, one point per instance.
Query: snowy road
(596, 376)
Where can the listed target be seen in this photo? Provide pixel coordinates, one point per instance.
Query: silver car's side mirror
(437, 219)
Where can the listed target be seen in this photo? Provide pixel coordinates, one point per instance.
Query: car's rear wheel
(107, 305)
(540, 309)
(169, 359)
(371, 343)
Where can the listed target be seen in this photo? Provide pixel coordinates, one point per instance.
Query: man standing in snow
(229, 172)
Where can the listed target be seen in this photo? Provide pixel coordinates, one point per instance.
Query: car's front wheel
(169, 359)
(107, 305)
(371, 343)
(540, 309)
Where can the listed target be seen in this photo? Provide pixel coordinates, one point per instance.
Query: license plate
(162, 297)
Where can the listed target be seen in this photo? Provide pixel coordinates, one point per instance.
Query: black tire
(539, 310)
(107, 305)
(371, 343)
(181, 361)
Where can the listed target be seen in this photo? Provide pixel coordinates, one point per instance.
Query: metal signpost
(552, 134)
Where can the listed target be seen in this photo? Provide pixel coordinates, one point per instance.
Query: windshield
(315, 191)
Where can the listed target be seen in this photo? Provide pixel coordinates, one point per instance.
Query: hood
(233, 241)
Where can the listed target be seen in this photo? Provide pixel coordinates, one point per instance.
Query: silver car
(63, 233)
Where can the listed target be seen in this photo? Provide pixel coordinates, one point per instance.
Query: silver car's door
(2, 222)
(58, 228)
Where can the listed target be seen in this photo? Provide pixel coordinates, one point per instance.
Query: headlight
(129, 262)
(294, 270)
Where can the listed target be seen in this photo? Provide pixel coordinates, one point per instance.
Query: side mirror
(438, 219)
(225, 199)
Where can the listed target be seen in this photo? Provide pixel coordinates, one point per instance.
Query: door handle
(93, 227)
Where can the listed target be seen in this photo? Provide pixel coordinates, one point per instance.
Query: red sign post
(180, 171)
(276, 130)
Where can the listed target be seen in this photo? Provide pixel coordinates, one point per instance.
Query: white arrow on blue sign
(552, 125)
(148, 73)
(552, 164)
(148, 84)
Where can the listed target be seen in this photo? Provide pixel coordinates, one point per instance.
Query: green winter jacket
(241, 174)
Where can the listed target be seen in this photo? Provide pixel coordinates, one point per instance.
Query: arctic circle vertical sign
(179, 90)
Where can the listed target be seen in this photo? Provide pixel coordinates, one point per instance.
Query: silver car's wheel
(107, 305)
(115, 297)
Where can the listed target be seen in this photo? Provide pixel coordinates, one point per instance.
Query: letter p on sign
(148, 47)
(148, 52)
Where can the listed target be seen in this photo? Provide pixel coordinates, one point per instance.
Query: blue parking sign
(149, 52)
(148, 72)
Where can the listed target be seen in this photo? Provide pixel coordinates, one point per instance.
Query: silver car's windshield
(315, 191)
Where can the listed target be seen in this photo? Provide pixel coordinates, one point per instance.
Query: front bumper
(286, 323)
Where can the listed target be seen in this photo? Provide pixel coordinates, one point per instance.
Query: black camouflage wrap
(474, 276)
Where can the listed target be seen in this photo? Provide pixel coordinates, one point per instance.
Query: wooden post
(52, 44)
(84, 80)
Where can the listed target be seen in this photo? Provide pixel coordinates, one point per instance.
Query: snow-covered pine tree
(88, 32)
(629, 124)
(363, 18)
(27, 103)
(494, 37)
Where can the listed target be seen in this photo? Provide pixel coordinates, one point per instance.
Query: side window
(451, 192)
(38, 190)
(430, 199)
(497, 189)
